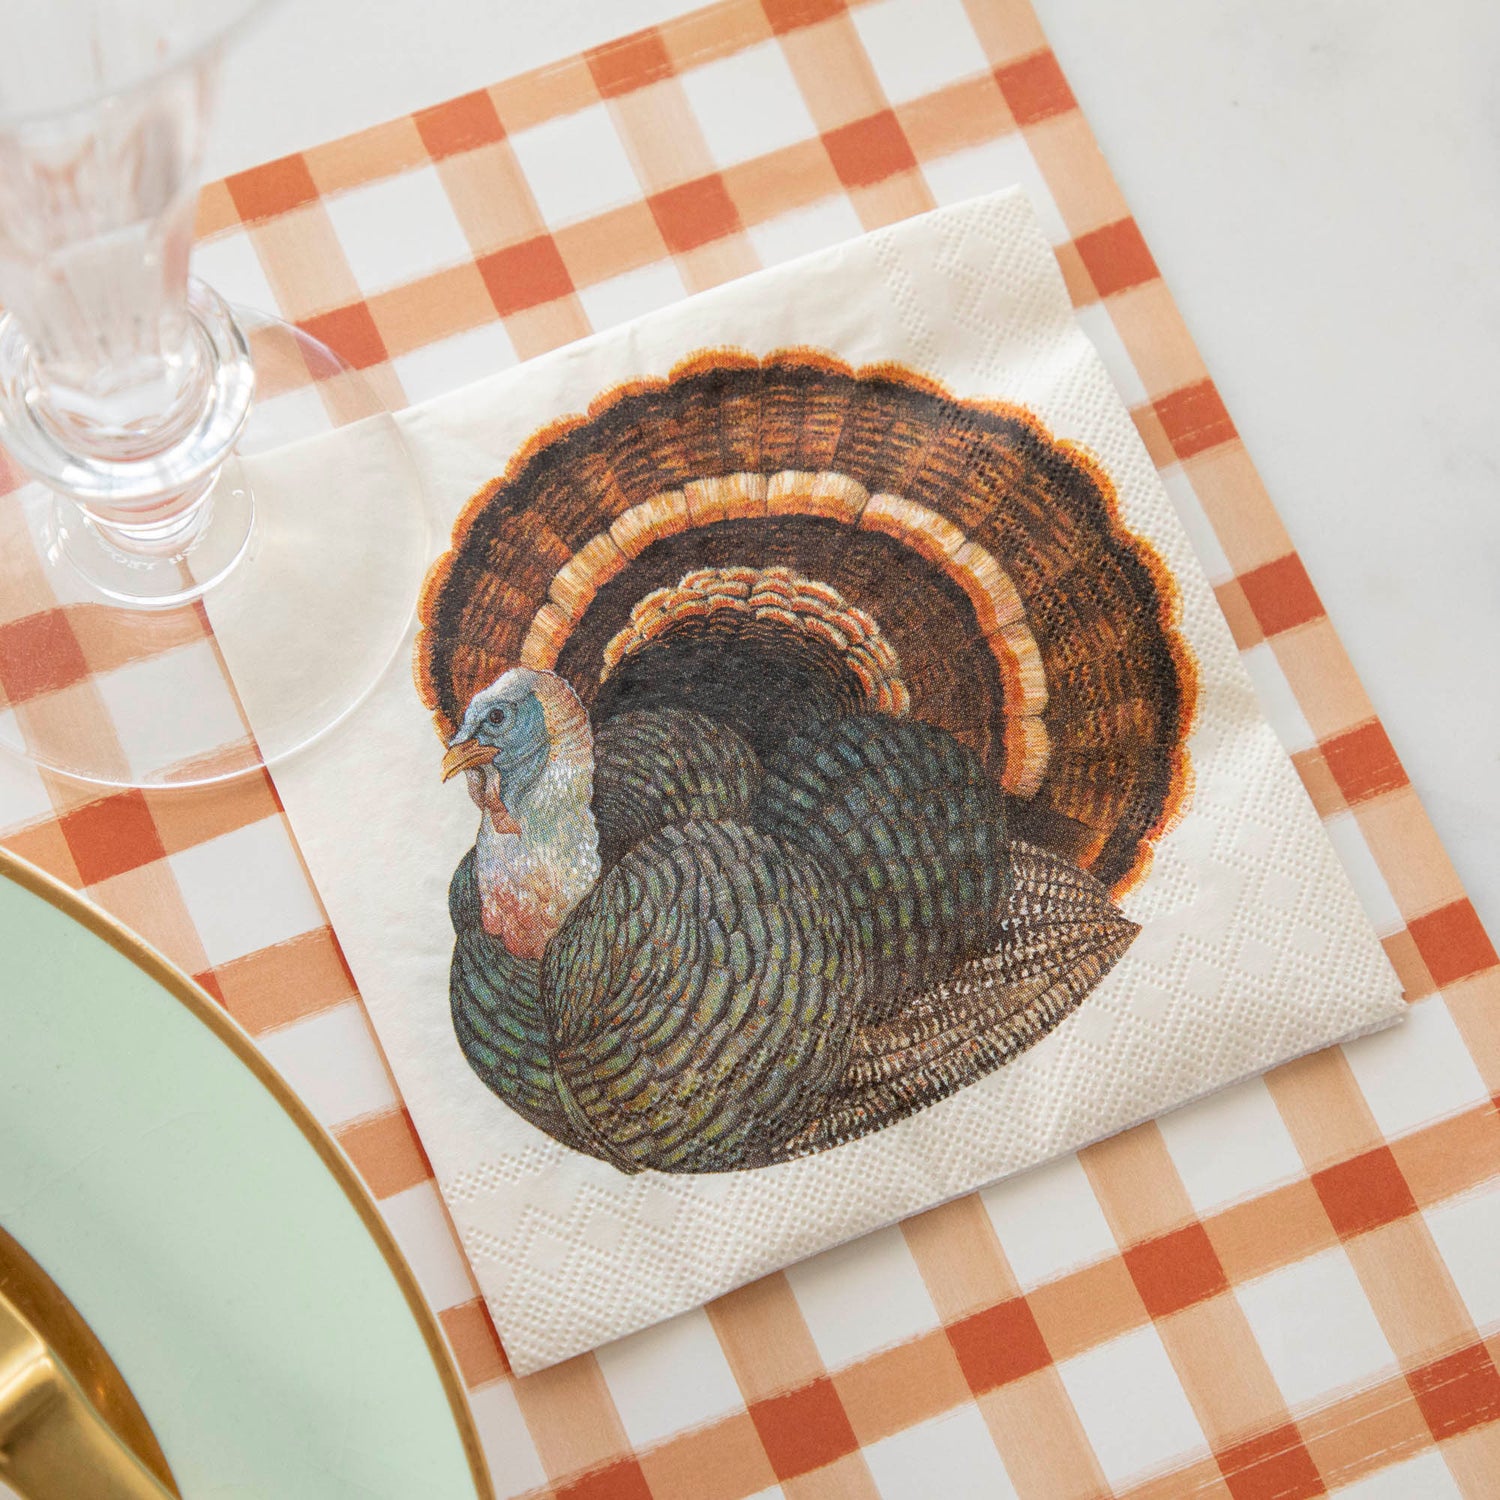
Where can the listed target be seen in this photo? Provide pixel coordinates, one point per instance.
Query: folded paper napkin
(823, 782)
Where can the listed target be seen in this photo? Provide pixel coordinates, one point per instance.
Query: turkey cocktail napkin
(823, 783)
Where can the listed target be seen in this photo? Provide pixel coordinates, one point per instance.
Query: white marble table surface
(1344, 159)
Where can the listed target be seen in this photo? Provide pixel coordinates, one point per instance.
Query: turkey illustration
(815, 719)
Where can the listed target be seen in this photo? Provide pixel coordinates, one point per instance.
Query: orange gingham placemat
(1287, 1290)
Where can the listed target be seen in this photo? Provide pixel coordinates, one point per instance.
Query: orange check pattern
(1289, 1290)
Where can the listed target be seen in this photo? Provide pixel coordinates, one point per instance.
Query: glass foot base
(177, 575)
(208, 661)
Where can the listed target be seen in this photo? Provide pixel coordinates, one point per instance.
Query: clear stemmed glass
(153, 545)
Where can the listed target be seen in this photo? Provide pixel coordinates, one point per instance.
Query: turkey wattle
(811, 717)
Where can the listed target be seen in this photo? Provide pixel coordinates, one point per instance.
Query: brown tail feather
(1063, 936)
(1027, 621)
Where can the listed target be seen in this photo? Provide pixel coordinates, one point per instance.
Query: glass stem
(122, 386)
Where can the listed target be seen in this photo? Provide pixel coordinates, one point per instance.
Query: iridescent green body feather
(495, 999)
(776, 959)
(701, 1000)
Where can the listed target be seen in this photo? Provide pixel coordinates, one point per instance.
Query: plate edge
(201, 1004)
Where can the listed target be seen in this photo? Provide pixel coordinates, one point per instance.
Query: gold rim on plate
(227, 1030)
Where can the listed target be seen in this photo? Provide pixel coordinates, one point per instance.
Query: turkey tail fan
(1006, 602)
(1062, 936)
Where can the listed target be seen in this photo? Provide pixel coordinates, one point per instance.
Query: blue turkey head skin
(502, 741)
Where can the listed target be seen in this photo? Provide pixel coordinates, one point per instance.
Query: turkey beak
(464, 756)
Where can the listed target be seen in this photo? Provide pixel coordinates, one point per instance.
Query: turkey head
(525, 751)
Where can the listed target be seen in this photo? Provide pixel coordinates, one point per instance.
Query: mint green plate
(212, 1234)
